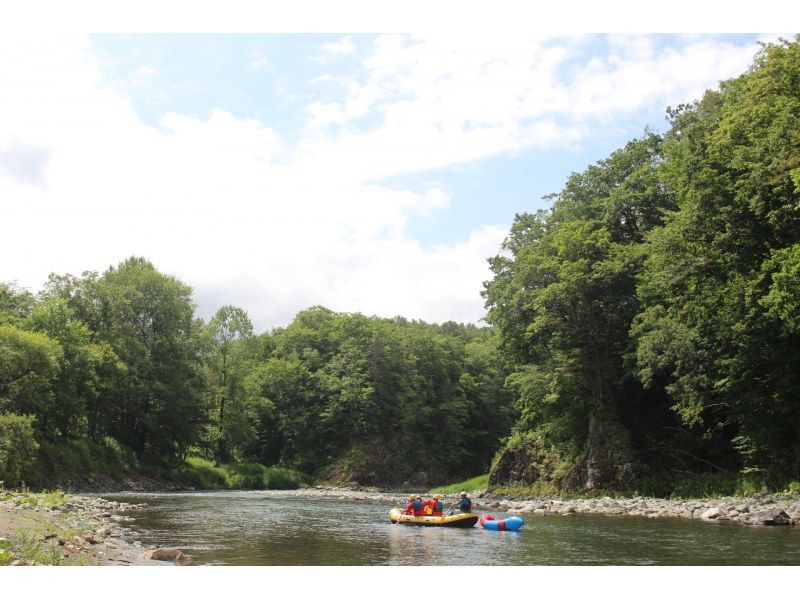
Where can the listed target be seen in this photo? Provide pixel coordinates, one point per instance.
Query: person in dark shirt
(465, 504)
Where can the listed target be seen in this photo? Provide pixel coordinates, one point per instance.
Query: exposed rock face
(609, 461)
(525, 460)
(375, 464)
(606, 462)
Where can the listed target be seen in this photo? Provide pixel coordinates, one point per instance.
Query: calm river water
(267, 528)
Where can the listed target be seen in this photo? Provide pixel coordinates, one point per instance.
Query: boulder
(166, 554)
(771, 517)
(711, 514)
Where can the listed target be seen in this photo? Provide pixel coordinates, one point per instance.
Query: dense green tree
(564, 298)
(720, 289)
(230, 328)
(652, 312)
(147, 317)
(15, 303)
(17, 447)
(29, 364)
(87, 373)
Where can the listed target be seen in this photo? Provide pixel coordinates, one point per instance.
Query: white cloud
(276, 225)
(344, 47)
(256, 61)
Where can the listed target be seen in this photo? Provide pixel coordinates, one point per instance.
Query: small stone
(167, 554)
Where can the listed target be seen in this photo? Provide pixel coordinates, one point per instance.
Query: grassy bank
(202, 474)
(28, 536)
(87, 464)
(678, 487)
(471, 485)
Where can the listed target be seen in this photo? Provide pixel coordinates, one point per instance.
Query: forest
(115, 371)
(644, 336)
(652, 314)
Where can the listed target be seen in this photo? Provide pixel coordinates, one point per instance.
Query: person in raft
(415, 506)
(427, 506)
(409, 510)
(465, 504)
(437, 506)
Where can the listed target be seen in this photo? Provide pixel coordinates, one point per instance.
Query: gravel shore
(64, 529)
(763, 509)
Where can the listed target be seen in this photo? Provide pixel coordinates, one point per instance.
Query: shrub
(17, 447)
(200, 473)
(248, 476)
(282, 478)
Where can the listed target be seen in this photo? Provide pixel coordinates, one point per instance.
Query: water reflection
(260, 528)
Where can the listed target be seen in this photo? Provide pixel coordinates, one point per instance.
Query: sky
(371, 173)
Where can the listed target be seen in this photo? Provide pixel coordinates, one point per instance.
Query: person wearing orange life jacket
(437, 506)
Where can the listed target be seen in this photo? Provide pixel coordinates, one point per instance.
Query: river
(271, 528)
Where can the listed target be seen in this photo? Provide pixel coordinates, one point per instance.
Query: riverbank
(54, 528)
(764, 509)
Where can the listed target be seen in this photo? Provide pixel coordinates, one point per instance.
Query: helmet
(417, 496)
(436, 496)
(412, 497)
(463, 493)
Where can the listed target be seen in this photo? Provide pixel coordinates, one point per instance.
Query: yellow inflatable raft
(457, 520)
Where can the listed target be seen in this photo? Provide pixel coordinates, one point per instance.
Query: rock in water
(166, 554)
(711, 514)
(772, 517)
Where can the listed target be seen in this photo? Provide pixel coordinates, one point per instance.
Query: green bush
(247, 476)
(199, 473)
(282, 478)
(17, 448)
(203, 474)
(83, 457)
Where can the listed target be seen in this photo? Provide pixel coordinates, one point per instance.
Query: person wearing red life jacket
(409, 510)
(427, 506)
(437, 506)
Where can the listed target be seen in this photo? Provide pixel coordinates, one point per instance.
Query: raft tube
(457, 520)
(510, 524)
